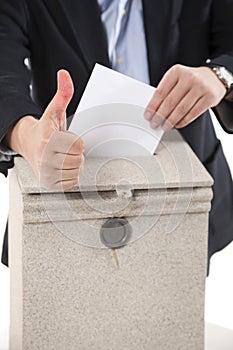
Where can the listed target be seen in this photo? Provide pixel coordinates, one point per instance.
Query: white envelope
(109, 117)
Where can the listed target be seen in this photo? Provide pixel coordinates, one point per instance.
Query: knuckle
(194, 79)
(159, 93)
(159, 117)
(150, 107)
(167, 125)
(171, 103)
(211, 96)
(170, 122)
(204, 88)
(177, 68)
(182, 110)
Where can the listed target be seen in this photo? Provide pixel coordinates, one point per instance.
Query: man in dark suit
(180, 37)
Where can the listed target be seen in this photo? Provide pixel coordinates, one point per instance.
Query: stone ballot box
(117, 263)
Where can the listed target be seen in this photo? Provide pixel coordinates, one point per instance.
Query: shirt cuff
(6, 153)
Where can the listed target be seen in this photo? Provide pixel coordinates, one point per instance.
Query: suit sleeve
(15, 77)
(221, 53)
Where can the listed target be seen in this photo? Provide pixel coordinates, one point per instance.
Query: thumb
(56, 110)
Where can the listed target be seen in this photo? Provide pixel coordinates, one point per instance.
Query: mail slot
(118, 262)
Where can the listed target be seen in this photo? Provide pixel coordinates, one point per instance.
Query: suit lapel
(84, 30)
(161, 18)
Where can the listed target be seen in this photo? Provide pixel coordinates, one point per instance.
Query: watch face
(225, 76)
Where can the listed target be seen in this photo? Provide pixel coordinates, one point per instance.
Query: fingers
(170, 104)
(50, 177)
(166, 85)
(64, 185)
(66, 142)
(62, 161)
(63, 178)
(67, 161)
(196, 110)
(183, 108)
(183, 94)
(56, 110)
(56, 155)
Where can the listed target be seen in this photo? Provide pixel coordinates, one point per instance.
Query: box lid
(173, 166)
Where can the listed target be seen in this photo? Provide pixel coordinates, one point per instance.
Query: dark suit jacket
(69, 34)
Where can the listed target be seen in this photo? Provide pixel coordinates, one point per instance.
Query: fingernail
(153, 125)
(148, 115)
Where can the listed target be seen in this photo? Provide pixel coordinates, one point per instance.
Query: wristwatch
(224, 76)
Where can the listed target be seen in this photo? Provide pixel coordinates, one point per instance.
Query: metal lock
(115, 232)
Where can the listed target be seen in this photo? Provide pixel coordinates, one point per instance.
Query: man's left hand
(183, 94)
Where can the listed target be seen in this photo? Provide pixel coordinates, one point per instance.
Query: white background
(219, 286)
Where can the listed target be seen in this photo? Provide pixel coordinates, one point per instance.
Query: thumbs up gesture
(55, 155)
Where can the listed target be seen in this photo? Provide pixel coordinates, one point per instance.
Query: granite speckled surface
(174, 166)
(66, 289)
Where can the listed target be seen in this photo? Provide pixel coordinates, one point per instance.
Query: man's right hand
(55, 155)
